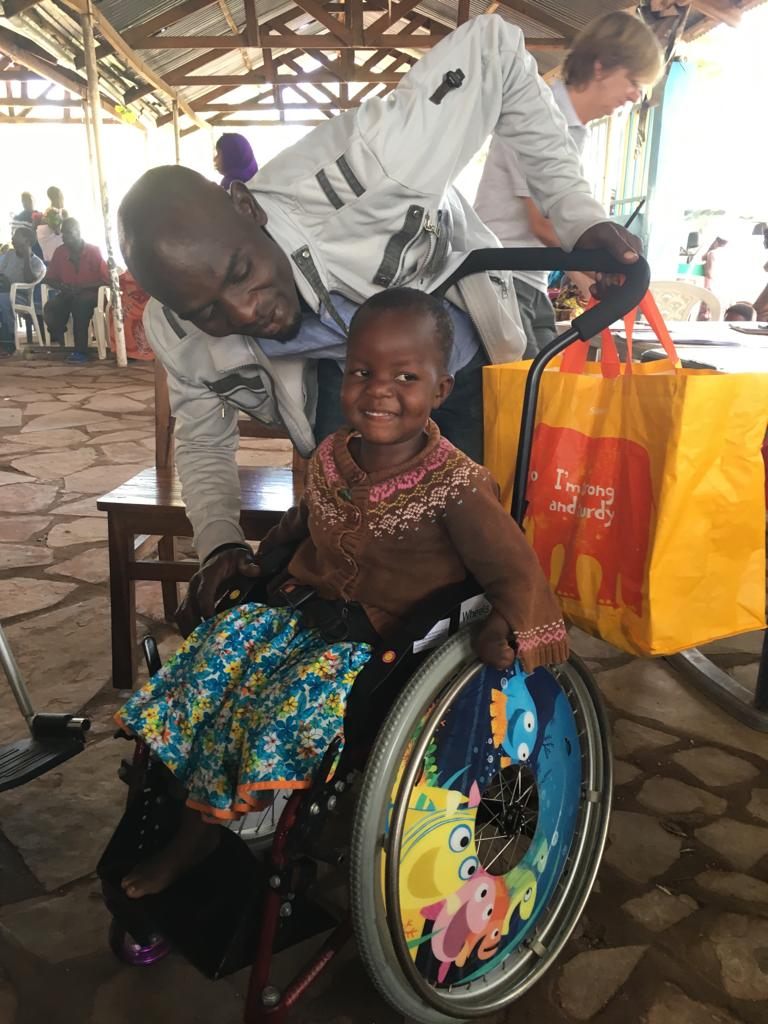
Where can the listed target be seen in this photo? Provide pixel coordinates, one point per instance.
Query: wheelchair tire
(439, 770)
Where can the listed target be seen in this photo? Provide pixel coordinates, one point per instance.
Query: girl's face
(395, 377)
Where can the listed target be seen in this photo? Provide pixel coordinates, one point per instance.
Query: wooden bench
(146, 513)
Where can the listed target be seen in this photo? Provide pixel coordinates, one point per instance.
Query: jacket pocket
(391, 268)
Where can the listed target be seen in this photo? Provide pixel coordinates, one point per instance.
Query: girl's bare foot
(194, 841)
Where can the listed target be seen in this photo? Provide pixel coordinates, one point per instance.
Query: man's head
(26, 202)
(612, 60)
(23, 240)
(400, 342)
(56, 197)
(740, 311)
(70, 234)
(206, 255)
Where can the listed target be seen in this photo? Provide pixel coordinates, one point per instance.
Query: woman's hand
(491, 642)
(209, 581)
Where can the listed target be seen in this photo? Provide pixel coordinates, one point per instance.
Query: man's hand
(206, 586)
(619, 242)
(491, 642)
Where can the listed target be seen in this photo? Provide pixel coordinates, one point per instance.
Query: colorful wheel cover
(489, 824)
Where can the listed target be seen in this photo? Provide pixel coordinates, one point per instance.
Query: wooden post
(91, 67)
(176, 131)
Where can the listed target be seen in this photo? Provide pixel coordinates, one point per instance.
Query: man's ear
(245, 204)
(444, 388)
(597, 71)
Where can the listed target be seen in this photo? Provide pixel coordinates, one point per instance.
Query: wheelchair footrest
(24, 760)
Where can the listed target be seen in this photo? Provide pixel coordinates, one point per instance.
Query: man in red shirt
(75, 271)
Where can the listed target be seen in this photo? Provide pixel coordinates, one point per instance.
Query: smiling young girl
(392, 512)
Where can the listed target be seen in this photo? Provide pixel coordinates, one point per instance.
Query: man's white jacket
(362, 203)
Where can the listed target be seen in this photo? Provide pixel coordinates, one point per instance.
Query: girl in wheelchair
(391, 513)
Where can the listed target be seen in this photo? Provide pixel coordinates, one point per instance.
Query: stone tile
(41, 408)
(149, 599)
(590, 980)
(673, 1006)
(740, 845)
(744, 643)
(8, 477)
(26, 497)
(714, 767)
(657, 910)
(21, 527)
(624, 772)
(668, 796)
(64, 655)
(120, 436)
(80, 531)
(639, 847)
(55, 465)
(649, 689)
(741, 946)
(125, 451)
(20, 596)
(61, 822)
(9, 451)
(171, 991)
(745, 674)
(734, 886)
(114, 403)
(90, 566)
(84, 506)
(52, 439)
(142, 394)
(101, 479)
(10, 416)
(60, 927)
(629, 737)
(66, 418)
(17, 556)
(758, 804)
(111, 424)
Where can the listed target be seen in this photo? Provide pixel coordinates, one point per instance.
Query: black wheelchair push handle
(618, 300)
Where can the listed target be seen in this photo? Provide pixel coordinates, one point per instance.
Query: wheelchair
(472, 805)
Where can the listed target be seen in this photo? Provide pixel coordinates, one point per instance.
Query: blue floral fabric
(248, 703)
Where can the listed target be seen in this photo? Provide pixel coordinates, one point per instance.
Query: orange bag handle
(575, 356)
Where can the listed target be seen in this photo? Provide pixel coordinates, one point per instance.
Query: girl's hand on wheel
(491, 642)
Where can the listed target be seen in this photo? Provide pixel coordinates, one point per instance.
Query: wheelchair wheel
(479, 830)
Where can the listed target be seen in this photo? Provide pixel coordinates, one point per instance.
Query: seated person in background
(29, 216)
(234, 159)
(744, 311)
(612, 60)
(76, 272)
(17, 266)
(49, 234)
(254, 696)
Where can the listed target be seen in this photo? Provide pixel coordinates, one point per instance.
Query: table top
(264, 490)
(713, 343)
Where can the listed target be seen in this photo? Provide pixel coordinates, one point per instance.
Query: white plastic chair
(23, 306)
(679, 300)
(98, 333)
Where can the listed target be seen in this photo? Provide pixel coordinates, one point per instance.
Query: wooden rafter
(134, 36)
(337, 29)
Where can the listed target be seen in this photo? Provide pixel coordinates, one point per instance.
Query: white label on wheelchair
(471, 610)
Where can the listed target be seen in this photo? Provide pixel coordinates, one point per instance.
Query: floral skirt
(249, 702)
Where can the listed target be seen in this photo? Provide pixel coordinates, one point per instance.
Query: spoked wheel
(479, 831)
(134, 953)
(258, 828)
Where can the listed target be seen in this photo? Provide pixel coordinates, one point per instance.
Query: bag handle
(575, 356)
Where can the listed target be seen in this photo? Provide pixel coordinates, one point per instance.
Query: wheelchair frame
(373, 694)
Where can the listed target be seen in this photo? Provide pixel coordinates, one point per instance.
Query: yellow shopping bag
(646, 500)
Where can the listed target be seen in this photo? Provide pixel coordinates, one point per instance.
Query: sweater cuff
(542, 645)
(216, 533)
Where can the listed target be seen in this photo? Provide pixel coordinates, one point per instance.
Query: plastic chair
(679, 300)
(99, 325)
(23, 309)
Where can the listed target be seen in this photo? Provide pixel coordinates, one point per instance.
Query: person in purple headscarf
(234, 159)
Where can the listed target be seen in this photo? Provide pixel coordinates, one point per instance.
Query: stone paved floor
(676, 931)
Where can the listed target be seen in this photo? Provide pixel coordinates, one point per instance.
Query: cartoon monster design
(438, 853)
(460, 918)
(514, 722)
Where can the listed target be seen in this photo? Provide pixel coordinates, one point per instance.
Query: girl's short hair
(616, 40)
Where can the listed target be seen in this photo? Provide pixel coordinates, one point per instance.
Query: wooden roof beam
(337, 29)
(135, 35)
(132, 59)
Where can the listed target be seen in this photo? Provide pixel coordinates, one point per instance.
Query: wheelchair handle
(618, 300)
